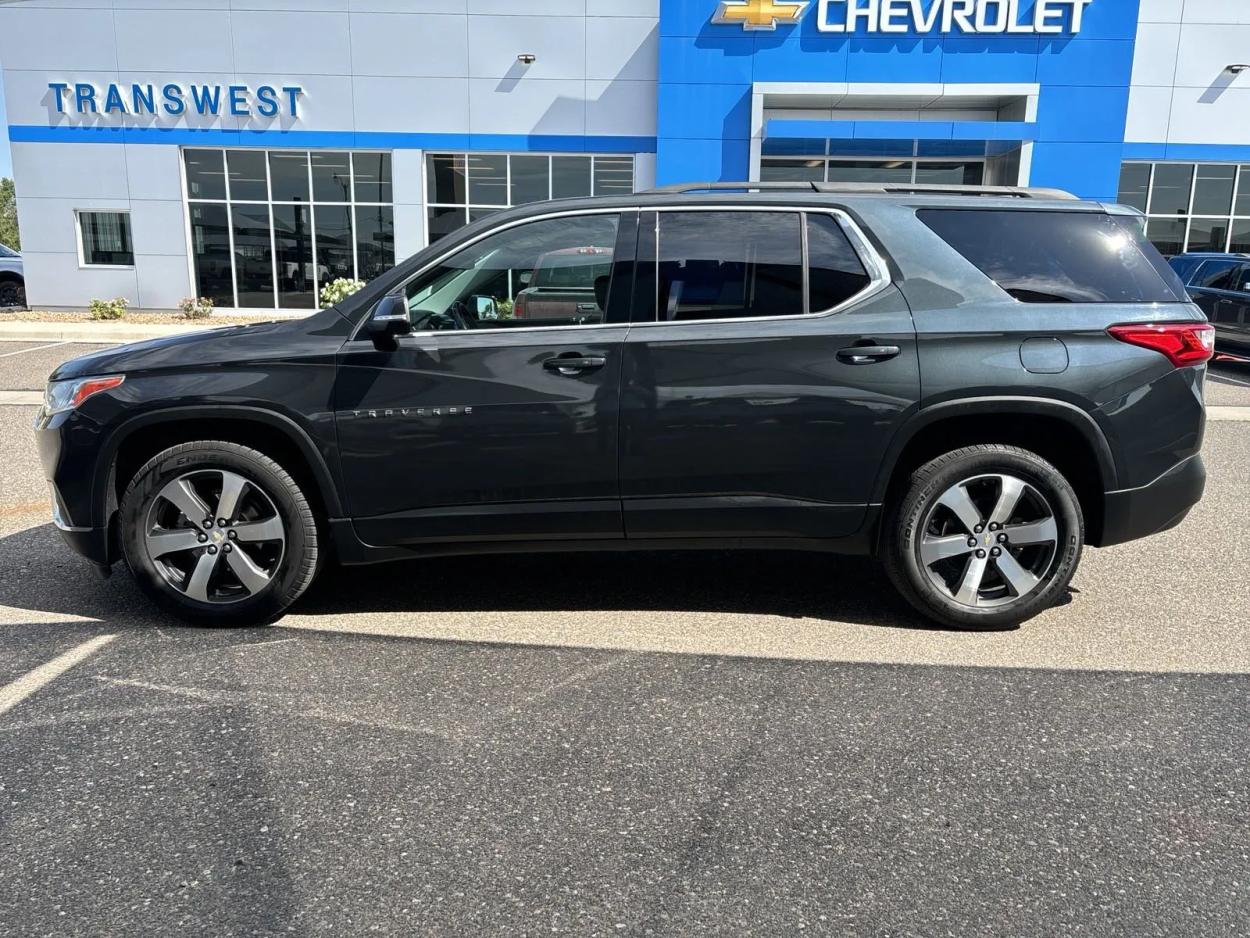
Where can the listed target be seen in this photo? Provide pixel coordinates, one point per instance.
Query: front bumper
(1163, 504)
(68, 449)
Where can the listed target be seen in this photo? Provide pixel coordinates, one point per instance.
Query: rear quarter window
(1059, 257)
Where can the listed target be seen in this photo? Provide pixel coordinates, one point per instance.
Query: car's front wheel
(984, 537)
(218, 534)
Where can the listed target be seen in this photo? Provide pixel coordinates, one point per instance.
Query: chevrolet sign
(977, 17)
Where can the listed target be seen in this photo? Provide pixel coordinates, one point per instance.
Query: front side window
(106, 239)
(553, 272)
(1217, 275)
(1059, 257)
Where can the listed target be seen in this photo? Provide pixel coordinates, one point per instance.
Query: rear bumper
(1163, 504)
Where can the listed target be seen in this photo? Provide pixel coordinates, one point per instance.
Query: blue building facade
(1064, 96)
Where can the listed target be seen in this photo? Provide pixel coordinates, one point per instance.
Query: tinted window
(1134, 184)
(1171, 189)
(1060, 257)
(106, 238)
(1241, 283)
(1216, 275)
(1213, 189)
(729, 265)
(206, 174)
(835, 272)
(1184, 267)
(492, 284)
(210, 249)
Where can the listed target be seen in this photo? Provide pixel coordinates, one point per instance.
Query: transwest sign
(1047, 17)
(175, 98)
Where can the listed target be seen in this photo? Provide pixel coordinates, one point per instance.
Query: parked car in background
(12, 278)
(1220, 284)
(570, 283)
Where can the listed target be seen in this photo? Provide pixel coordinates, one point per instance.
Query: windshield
(7, 252)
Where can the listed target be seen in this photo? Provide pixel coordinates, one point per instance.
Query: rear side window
(1217, 275)
(1060, 257)
(835, 272)
(729, 265)
(746, 264)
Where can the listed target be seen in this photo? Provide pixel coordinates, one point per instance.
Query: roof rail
(867, 188)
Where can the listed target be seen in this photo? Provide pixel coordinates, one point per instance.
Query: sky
(6, 163)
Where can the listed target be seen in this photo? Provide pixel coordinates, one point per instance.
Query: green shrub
(194, 307)
(109, 309)
(336, 291)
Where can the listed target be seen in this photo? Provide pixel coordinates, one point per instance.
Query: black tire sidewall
(928, 484)
(292, 575)
(14, 289)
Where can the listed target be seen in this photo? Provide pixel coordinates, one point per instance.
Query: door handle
(867, 354)
(572, 365)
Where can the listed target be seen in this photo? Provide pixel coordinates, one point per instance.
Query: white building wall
(432, 66)
(1181, 92)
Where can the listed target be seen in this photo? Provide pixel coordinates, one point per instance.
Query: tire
(12, 293)
(929, 550)
(244, 572)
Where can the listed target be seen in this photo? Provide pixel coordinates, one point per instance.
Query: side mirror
(388, 319)
(485, 307)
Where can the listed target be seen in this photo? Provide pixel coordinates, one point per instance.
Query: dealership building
(253, 151)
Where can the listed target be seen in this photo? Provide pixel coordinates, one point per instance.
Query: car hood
(211, 346)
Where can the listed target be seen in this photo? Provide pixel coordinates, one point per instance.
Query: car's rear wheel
(12, 293)
(984, 537)
(217, 533)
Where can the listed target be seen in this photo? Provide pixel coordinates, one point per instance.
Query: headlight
(67, 395)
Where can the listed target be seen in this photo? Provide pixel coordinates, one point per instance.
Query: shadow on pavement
(38, 573)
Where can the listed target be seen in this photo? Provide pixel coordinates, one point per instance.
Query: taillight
(1184, 343)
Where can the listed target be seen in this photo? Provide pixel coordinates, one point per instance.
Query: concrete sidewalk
(106, 333)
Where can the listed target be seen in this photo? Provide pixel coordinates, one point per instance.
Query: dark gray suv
(970, 384)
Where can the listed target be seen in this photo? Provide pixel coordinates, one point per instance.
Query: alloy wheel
(215, 536)
(989, 541)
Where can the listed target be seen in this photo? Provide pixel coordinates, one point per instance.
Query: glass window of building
(463, 187)
(901, 162)
(1191, 206)
(105, 239)
(270, 228)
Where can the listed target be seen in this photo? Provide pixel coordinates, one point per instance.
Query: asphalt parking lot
(660, 744)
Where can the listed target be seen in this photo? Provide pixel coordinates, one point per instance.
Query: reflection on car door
(746, 410)
(491, 429)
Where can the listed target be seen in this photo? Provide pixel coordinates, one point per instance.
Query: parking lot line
(37, 348)
(14, 693)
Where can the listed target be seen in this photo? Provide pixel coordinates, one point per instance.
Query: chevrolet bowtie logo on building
(759, 14)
